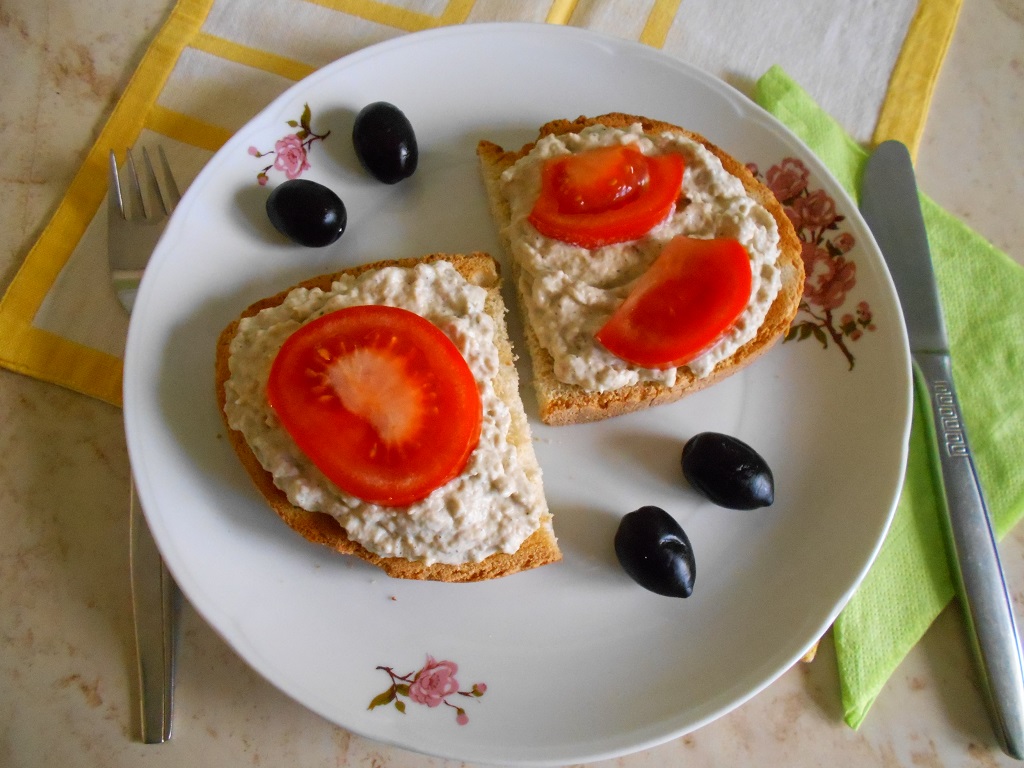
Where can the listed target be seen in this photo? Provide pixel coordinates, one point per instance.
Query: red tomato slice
(690, 296)
(380, 400)
(606, 195)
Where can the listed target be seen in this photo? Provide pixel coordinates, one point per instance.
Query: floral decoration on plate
(291, 152)
(433, 685)
(830, 272)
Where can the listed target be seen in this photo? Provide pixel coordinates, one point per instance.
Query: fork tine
(138, 203)
(172, 185)
(152, 184)
(114, 199)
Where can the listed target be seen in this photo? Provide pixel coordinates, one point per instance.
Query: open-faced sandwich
(648, 263)
(377, 410)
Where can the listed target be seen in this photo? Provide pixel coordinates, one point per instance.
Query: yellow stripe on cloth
(35, 352)
(456, 12)
(561, 11)
(187, 129)
(905, 109)
(252, 57)
(655, 30)
(57, 360)
(659, 21)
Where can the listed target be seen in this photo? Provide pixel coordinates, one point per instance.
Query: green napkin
(981, 290)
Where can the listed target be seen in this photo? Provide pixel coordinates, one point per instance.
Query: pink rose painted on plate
(434, 683)
(291, 156)
(432, 686)
(830, 272)
(291, 152)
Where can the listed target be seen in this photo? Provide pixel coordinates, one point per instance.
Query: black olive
(728, 471)
(653, 549)
(385, 143)
(307, 212)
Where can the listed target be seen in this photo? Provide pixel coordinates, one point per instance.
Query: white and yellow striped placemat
(216, 63)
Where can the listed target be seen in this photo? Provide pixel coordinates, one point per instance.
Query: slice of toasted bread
(538, 549)
(562, 403)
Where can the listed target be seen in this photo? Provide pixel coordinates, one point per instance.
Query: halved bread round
(539, 548)
(562, 403)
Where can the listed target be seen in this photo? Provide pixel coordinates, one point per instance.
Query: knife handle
(975, 558)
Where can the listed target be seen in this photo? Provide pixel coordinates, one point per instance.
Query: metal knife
(891, 207)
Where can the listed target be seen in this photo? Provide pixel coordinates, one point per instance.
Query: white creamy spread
(570, 292)
(491, 507)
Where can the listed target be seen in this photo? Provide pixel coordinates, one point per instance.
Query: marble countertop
(66, 648)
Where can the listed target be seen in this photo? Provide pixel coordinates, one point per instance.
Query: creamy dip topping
(491, 507)
(570, 292)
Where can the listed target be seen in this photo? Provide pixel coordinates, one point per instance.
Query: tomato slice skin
(380, 400)
(606, 195)
(692, 294)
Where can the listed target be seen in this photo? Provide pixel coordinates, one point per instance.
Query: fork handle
(974, 557)
(153, 603)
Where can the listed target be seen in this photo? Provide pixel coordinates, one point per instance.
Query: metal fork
(135, 220)
(134, 226)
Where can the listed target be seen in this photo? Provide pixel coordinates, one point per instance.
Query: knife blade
(891, 207)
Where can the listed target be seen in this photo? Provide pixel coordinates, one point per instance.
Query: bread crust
(561, 403)
(540, 548)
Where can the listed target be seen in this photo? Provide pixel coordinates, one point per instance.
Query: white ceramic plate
(579, 663)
